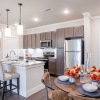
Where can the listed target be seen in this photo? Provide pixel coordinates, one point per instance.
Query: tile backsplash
(36, 52)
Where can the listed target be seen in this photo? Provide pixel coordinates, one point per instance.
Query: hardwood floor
(41, 95)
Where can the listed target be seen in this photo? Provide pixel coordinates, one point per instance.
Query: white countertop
(22, 63)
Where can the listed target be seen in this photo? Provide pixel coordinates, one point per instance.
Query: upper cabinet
(60, 38)
(42, 36)
(45, 36)
(25, 41)
(79, 31)
(37, 40)
(33, 41)
(54, 39)
(69, 32)
(48, 35)
(29, 41)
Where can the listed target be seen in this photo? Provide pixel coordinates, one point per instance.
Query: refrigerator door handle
(64, 46)
(65, 61)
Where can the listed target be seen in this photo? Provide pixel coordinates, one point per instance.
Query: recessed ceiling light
(36, 19)
(66, 12)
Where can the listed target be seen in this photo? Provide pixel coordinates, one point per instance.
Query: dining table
(71, 89)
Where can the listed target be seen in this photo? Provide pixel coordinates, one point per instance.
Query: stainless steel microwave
(46, 44)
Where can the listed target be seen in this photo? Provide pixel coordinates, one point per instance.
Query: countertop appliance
(46, 44)
(73, 52)
(45, 58)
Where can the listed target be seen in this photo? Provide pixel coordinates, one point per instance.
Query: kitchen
(85, 27)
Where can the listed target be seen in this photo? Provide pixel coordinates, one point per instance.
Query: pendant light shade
(7, 30)
(20, 27)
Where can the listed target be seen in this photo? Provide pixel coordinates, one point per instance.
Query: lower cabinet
(60, 62)
(52, 66)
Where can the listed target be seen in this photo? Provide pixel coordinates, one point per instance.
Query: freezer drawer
(72, 58)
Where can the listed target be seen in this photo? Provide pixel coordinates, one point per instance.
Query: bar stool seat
(10, 75)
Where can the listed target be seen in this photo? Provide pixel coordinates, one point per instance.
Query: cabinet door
(60, 62)
(25, 41)
(33, 41)
(69, 32)
(52, 66)
(42, 36)
(60, 38)
(54, 39)
(29, 41)
(48, 35)
(79, 31)
(37, 40)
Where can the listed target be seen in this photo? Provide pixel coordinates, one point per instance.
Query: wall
(53, 27)
(95, 41)
(8, 44)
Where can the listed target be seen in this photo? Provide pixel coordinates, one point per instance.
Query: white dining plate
(63, 78)
(89, 87)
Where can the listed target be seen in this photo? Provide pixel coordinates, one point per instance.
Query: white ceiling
(35, 8)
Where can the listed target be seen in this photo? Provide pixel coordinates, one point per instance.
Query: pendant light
(7, 30)
(20, 27)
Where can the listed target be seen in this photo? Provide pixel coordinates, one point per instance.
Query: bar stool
(8, 76)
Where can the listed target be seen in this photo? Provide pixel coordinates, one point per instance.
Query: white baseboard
(26, 94)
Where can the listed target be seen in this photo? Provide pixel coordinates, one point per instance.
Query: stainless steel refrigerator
(73, 52)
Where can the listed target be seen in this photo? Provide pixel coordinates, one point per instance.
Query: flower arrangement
(73, 71)
(94, 73)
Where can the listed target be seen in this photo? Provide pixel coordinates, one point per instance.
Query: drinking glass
(82, 78)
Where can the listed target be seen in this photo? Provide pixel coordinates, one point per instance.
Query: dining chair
(8, 76)
(53, 94)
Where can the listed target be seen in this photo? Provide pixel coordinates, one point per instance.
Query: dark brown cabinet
(60, 38)
(69, 32)
(33, 41)
(25, 41)
(37, 40)
(54, 39)
(79, 31)
(42, 37)
(29, 42)
(52, 66)
(48, 35)
(60, 62)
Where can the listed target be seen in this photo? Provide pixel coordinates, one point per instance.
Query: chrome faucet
(11, 52)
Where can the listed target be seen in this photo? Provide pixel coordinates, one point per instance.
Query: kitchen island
(30, 75)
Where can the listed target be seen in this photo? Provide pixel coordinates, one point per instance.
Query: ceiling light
(66, 12)
(7, 30)
(36, 19)
(20, 27)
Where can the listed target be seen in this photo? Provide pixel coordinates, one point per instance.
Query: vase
(95, 82)
(72, 79)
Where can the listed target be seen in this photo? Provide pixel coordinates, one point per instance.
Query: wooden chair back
(45, 80)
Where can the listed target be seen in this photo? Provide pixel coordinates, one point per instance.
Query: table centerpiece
(94, 74)
(72, 72)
